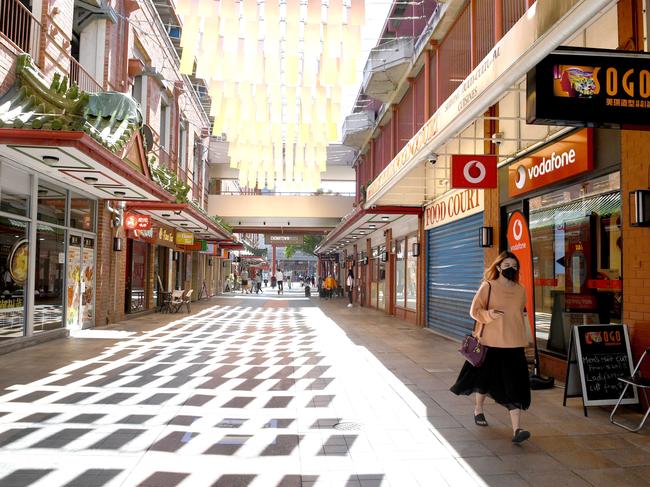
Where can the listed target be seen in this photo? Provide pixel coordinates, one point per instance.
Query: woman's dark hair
(492, 273)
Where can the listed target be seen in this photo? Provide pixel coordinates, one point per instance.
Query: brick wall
(635, 157)
(111, 272)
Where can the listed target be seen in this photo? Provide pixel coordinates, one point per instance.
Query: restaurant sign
(133, 221)
(184, 238)
(453, 206)
(589, 87)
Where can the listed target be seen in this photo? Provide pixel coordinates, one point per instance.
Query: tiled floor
(261, 392)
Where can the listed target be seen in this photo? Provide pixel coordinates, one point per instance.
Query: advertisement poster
(87, 286)
(73, 294)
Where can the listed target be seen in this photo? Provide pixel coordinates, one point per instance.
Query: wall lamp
(485, 237)
(640, 208)
(384, 256)
(415, 249)
(117, 244)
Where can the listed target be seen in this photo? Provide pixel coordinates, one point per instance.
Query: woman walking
(498, 308)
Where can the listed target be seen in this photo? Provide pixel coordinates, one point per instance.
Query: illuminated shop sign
(586, 87)
(566, 158)
(133, 221)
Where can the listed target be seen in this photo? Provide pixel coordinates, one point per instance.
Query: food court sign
(453, 206)
(578, 87)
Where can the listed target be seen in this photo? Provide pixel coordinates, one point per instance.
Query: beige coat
(502, 331)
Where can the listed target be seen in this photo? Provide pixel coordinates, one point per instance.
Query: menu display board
(598, 356)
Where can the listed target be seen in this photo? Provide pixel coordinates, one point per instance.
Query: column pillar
(274, 259)
(498, 20)
(421, 293)
(427, 84)
(368, 272)
(389, 287)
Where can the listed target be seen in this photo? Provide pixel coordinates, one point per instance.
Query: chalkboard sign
(598, 356)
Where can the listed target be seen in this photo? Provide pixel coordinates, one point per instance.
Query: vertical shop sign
(520, 245)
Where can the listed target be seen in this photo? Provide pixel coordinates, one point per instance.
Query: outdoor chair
(187, 298)
(639, 383)
(177, 300)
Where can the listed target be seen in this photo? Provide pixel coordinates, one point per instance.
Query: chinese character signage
(133, 221)
(587, 87)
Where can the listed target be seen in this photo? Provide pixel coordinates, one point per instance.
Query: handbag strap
(488, 307)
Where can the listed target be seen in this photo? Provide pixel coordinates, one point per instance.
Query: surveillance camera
(432, 158)
(497, 138)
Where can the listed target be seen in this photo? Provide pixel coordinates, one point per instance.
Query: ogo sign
(564, 159)
(452, 206)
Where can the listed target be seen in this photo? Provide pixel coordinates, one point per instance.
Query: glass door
(80, 281)
(87, 310)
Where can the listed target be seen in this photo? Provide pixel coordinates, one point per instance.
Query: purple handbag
(471, 347)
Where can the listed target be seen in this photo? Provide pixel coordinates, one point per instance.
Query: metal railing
(19, 26)
(166, 160)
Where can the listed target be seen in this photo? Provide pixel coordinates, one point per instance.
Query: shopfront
(47, 254)
(137, 273)
(164, 239)
(378, 262)
(455, 261)
(574, 212)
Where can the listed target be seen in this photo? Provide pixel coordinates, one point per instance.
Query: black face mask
(509, 273)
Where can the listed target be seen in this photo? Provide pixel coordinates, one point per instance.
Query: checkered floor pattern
(241, 394)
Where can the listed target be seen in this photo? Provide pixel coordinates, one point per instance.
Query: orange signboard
(564, 159)
(520, 245)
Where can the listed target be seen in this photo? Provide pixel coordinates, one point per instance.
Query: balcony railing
(24, 32)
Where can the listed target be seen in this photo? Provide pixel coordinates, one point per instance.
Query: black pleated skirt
(503, 377)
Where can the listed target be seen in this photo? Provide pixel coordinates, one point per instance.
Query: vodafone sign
(478, 171)
(564, 159)
(453, 206)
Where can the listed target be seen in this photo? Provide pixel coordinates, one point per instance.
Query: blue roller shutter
(454, 273)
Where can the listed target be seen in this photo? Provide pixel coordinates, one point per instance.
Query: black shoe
(480, 420)
(520, 436)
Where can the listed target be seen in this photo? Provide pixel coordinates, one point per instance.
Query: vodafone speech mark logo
(473, 171)
(517, 230)
(520, 180)
(472, 167)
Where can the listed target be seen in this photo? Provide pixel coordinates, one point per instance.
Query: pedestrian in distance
(280, 279)
(330, 285)
(498, 308)
(244, 281)
(349, 283)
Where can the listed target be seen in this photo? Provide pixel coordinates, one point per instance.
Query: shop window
(15, 190)
(51, 204)
(577, 259)
(137, 275)
(14, 251)
(400, 273)
(411, 275)
(82, 212)
(50, 269)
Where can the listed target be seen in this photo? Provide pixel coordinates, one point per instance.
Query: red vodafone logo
(473, 171)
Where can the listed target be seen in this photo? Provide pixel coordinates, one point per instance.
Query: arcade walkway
(280, 391)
